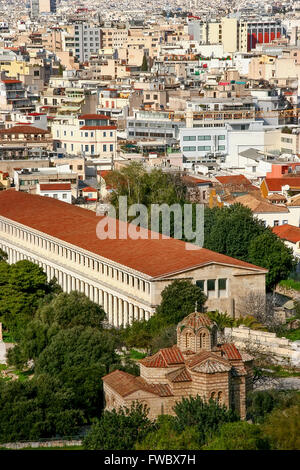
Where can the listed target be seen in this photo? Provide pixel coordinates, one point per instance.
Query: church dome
(196, 332)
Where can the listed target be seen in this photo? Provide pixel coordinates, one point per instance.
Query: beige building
(125, 274)
(197, 365)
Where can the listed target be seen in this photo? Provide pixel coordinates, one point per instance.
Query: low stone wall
(52, 443)
(280, 350)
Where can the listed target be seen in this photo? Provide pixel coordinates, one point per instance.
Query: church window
(220, 397)
(188, 340)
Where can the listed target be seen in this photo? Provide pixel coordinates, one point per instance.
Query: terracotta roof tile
(178, 376)
(287, 232)
(233, 179)
(259, 205)
(24, 130)
(125, 384)
(275, 184)
(164, 358)
(77, 226)
(55, 186)
(196, 320)
(231, 352)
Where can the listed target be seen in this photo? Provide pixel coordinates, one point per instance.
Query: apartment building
(87, 40)
(89, 134)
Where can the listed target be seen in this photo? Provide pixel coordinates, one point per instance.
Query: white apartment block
(89, 134)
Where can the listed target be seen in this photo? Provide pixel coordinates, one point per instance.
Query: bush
(239, 436)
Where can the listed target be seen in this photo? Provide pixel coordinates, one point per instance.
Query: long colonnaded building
(125, 276)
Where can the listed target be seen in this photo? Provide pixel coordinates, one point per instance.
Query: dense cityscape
(149, 226)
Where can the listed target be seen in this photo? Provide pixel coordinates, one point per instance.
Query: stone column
(121, 313)
(125, 313)
(110, 309)
(130, 314)
(116, 319)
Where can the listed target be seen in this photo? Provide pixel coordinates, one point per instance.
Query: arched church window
(213, 395)
(220, 397)
(188, 340)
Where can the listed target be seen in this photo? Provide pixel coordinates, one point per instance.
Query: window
(221, 147)
(55, 196)
(189, 137)
(200, 284)
(221, 137)
(276, 223)
(211, 284)
(189, 149)
(204, 148)
(64, 196)
(204, 137)
(222, 284)
(285, 222)
(104, 148)
(111, 148)
(104, 134)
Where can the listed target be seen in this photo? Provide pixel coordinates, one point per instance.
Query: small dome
(195, 321)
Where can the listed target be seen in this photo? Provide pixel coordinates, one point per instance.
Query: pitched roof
(259, 205)
(208, 362)
(125, 384)
(77, 226)
(230, 350)
(164, 358)
(178, 376)
(55, 186)
(24, 130)
(234, 179)
(275, 184)
(287, 232)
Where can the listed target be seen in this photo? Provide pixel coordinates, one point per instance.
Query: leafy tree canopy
(119, 430)
(239, 436)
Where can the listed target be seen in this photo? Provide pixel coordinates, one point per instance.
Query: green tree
(205, 416)
(179, 300)
(282, 427)
(119, 430)
(238, 436)
(22, 286)
(165, 437)
(229, 230)
(79, 357)
(63, 311)
(144, 67)
(268, 251)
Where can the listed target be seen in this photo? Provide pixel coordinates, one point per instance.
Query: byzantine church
(197, 365)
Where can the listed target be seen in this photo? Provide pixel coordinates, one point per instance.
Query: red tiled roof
(11, 81)
(77, 226)
(287, 232)
(208, 362)
(178, 376)
(233, 179)
(55, 186)
(125, 384)
(230, 351)
(89, 189)
(196, 320)
(275, 184)
(95, 128)
(36, 114)
(93, 116)
(164, 358)
(23, 130)
(191, 179)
